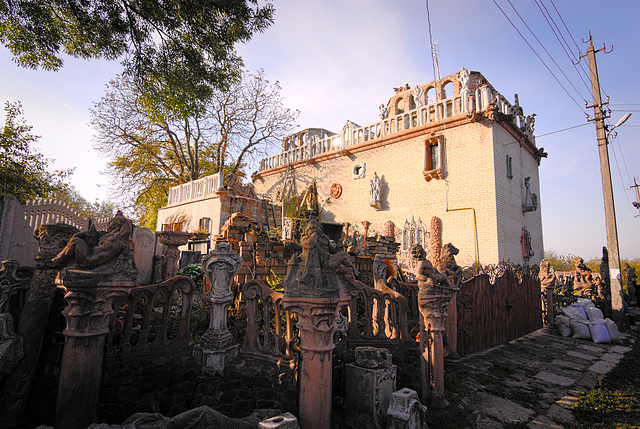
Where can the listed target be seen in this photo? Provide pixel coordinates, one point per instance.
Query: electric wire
(565, 46)
(545, 49)
(615, 157)
(574, 42)
(537, 55)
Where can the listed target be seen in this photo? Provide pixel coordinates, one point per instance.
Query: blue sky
(339, 60)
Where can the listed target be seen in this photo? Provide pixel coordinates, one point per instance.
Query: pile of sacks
(583, 320)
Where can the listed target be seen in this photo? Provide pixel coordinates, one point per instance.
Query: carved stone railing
(151, 319)
(377, 317)
(421, 115)
(270, 329)
(410, 292)
(43, 211)
(196, 189)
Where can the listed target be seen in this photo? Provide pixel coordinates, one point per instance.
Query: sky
(338, 60)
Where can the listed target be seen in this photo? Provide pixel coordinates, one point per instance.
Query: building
(454, 149)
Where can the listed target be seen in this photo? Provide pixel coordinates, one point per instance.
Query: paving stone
(559, 414)
(564, 363)
(602, 367)
(502, 409)
(619, 349)
(581, 355)
(614, 358)
(567, 401)
(555, 378)
(484, 422)
(544, 422)
(597, 349)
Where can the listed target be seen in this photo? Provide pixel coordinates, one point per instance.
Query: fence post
(218, 348)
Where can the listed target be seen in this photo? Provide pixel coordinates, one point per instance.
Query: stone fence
(464, 102)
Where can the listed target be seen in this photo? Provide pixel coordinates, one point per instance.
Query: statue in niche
(91, 249)
(530, 203)
(383, 111)
(374, 192)
(418, 94)
(464, 78)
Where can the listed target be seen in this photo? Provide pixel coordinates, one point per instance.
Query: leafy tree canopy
(23, 170)
(152, 149)
(182, 48)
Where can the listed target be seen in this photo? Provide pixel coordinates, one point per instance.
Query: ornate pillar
(33, 321)
(89, 299)
(173, 240)
(433, 302)
(316, 325)
(217, 347)
(311, 291)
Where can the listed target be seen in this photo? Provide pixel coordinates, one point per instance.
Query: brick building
(454, 149)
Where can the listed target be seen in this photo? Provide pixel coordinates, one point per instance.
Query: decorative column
(313, 294)
(365, 224)
(433, 311)
(89, 299)
(33, 321)
(217, 347)
(173, 240)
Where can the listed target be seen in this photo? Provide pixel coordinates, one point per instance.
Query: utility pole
(607, 189)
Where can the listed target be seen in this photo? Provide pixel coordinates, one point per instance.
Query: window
(204, 225)
(509, 167)
(433, 158)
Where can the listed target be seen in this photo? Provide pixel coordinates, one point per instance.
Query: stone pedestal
(433, 311)
(217, 347)
(370, 383)
(89, 299)
(173, 240)
(405, 411)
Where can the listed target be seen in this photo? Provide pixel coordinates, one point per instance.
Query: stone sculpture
(379, 269)
(530, 123)
(383, 112)
(374, 192)
(464, 78)
(217, 347)
(583, 280)
(91, 249)
(632, 281)
(529, 203)
(547, 279)
(418, 94)
(449, 266)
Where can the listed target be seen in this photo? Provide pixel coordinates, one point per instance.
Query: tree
(184, 48)
(152, 148)
(23, 170)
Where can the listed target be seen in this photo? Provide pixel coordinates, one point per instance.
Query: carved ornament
(336, 190)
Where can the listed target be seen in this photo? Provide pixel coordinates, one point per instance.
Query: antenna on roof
(434, 55)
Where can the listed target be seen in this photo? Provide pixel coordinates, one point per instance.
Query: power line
(565, 46)
(541, 60)
(545, 49)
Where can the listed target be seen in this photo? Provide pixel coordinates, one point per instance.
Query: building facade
(453, 149)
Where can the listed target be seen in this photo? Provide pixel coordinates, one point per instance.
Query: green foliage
(180, 48)
(275, 282)
(86, 209)
(560, 262)
(151, 148)
(23, 170)
(195, 272)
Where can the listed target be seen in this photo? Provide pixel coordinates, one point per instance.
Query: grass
(615, 402)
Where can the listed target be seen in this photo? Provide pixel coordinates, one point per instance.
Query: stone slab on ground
(544, 422)
(581, 355)
(559, 414)
(602, 367)
(501, 409)
(555, 378)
